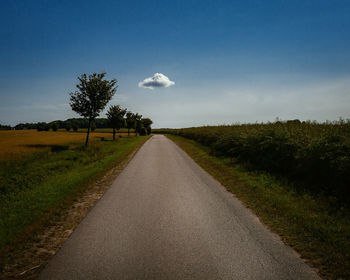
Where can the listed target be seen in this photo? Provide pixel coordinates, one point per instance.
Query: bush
(317, 156)
(54, 127)
(75, 127)
(143, 131)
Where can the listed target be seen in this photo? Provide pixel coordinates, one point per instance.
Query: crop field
(15, 144)
(315, 156)
(294, 175)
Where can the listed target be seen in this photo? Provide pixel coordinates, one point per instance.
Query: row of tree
(122, 118)
(117, 115)
(89, 100)
(5, 127)
(73, 123)
(91, 97)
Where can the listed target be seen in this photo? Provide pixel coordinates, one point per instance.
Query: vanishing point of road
(166, 218)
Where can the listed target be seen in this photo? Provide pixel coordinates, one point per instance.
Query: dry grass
(15, 144)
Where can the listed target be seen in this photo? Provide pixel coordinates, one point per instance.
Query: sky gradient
(231, 61)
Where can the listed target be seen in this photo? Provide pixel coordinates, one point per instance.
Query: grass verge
(317, 229)
(37, 189)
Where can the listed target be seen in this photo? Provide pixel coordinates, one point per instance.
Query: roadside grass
(35, 188)
(314, 226)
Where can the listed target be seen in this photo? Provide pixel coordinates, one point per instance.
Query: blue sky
(231, 61)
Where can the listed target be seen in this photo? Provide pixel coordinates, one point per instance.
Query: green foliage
(130, 121)
(139, 125)
(75, 127)
(54, 127)
(316, 156)
(68, 127)
(5, 127)
(42, 126)
(115, 116)
(147, 125)
(93, 126)
(92, 96)
(143, 132)
(315, 226)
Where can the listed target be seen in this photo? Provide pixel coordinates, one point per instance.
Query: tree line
(119, 117)
(89, 100)
(5, 127)
(73, 124)
(69, 124)
(91, 97)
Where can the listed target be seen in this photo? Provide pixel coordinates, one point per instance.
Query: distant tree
(115, 116)
(130, 121)
(75, 127)
(68, 126)
(147, 124)
(92, 96)
(5, 127)
(54, 126)
(143, 131)
(42, 126)
(93, 127)
(139, 125)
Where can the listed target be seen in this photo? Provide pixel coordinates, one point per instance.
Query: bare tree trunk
(113, 134)
(88, 133)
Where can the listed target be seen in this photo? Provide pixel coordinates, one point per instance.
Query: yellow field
(14, 144)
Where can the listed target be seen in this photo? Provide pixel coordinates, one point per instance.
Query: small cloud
(158, 80)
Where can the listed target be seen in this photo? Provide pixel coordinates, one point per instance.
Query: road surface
(166, 218)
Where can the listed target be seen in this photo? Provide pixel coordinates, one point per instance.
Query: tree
(147, 124)
(93, 127)
(130, 121)
(92, 96)
(139, 125)
(68, 126)
(75, 127)
(42, 126)
(115, 116)
(54, 126)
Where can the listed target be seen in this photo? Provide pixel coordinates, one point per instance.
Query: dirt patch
(26, 264)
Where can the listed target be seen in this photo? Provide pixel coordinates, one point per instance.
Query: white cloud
(158, 80)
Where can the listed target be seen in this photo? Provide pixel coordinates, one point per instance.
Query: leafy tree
(130, 121)
(68, 127)
(139, 125)
(93, 127)
(5, 127)
(92, 96)
(143, 131)
(75, 127)
(115, 116)
(54, 126)
(147, 124)
(42, 126)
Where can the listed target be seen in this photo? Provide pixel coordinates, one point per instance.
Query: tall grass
(312, 225)
(316, 156)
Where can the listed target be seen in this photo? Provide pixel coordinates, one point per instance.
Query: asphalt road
(166, 218)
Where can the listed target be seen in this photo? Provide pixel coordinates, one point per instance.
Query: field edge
(27, 258)
(278, 208)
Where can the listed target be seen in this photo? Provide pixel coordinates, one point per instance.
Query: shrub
(317, 156)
